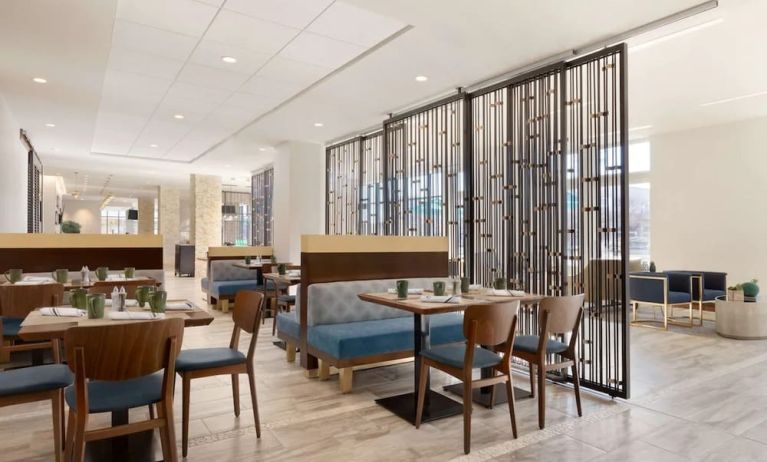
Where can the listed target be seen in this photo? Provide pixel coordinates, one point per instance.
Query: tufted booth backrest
(338, 302)
(224, 270)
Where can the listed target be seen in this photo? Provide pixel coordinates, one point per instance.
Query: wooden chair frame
(51, 295)
(478, 326)
(247, 319)
(537, 361)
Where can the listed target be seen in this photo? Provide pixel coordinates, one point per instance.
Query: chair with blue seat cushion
(284, 303)
(663, 290)
(487, 325)
(119, 367)
(208, 362)
(17, 302)
(706, 287)
(39, 383)
(561, 317)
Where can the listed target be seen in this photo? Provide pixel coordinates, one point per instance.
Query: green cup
(14, 275)
(282, 269)
(157, 301)
(142, 294)
(248, 260)
(78, 298)
(102, 272)
(439, 288)
(464, 285)
(61, 276)
(402, 289)
(499, 284)
(96, 304)
(456, 286)
(130, 273)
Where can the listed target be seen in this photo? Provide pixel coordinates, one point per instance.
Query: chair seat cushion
(227, 288)
(366, 338)
(109, 396)
(529, 344)
(11, 326)
(205, 358)
(204, 283)
(287, 323)
(711, 294)
(34, 379)
(678, 297)
(287, 299)
(453, 355)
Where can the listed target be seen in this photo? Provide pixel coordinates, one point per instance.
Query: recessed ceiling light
(152, 145)
(55, 149)
(318, 124)
(39, 80)
(229, 59)
(263, 148)
(227, 165)
(178, 116)
(421, 78)
(50, 125)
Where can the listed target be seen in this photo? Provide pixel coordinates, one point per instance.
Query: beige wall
(13, 174)
(709, 188)
(85, 212)
(146, 215)
(169, 214)
(205, 229)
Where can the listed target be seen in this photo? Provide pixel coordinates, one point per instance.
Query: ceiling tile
(122, 59)
(158, 42)
(192, 110)
(205, 76)
(271, 88)
(280, 68)
(209, 53)
(187, 17)
(242, 31)
(181, 90)
(293, 13)
(256, 104)
(164, 133)
(355, 25)
(216, 3)
(134, 85)
(115, 132)
(321, 51)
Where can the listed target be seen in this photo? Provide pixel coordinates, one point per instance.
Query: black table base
(438, 406)
(482, 395)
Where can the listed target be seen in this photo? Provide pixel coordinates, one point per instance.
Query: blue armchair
(706, 287)
(664, 290)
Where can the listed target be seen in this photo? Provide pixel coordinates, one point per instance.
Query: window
(113, 221)
(236, 220)
(639, 200)
(156, 226)
(262, 192)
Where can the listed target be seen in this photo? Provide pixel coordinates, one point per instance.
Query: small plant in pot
(70, 227)
(750, 288)
(735, 293)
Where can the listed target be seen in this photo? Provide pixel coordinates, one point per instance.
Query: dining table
(436, 405)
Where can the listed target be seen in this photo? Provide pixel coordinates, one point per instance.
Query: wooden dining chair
(488, 326)
(39, 383)
(120, 367)
(556, 316)
(208, 362)
(17, 302)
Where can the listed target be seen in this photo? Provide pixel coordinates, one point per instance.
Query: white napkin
(128, 302)
(32, 283)
(62, 312)
(413, 291)
(441, 299)
(179, 306)
(134, 316)
(506, 293)
(38, 279)
(475, 286)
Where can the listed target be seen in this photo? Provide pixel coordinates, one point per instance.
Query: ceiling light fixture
(229, 59)
(178, 116)
(421, 78)
(227, 165)
(318, 124)
(39, 80)
(50, 125)
(263, 148)
(734, 98)
(674, 35)
(641, 127)
(152, 145)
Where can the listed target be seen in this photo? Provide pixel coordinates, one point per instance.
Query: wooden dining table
(436, 405)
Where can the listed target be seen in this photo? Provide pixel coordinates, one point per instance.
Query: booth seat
(344, 331)
(225, 280)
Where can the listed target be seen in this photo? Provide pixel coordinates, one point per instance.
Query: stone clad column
(146, 215)
(205, 226)
(169, 205)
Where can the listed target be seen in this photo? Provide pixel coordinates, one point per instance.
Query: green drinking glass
(282, 269)
(402, 289)
(142, 294)
(499, 284)
(14, 275)
(61, 276)
(157, 301)
(439, 288)
(96, 304)
(78, 298)
(130, 273)
(464, 285)
(102, 272)
(248, 260)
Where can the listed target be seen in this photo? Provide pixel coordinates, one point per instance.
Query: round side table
(743, 320)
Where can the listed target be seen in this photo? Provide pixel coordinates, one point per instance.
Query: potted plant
(750, 288)
(70, 227)
(735, 293)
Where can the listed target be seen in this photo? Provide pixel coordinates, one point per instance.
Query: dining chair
(120, 367)
(483, 326)
(39, 383)
(556, 316)
(207, 362)
(664, 290)
(17, 302)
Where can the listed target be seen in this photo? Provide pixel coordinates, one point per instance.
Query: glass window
(639, 157)
(639, 220)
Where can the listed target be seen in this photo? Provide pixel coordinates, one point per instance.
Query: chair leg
(236, 393)
(170, 430)
(542, 395)
(532, 380)
(5, 353)
(345, 379)
(290, 352)
(151, 412)
(421, 393)
(324, 370)
(163, 435)
(70, 436)
(252, 380)
(58, 427)
(186, 390)
(78, 447)
(512, 406)
(467, 415)
(577, 387)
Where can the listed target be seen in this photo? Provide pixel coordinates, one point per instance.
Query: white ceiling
(119, 70)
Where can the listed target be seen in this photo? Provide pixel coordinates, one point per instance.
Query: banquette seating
(225, 280)
(344, 331)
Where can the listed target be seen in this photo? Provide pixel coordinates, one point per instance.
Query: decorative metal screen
(371, 211)
(262, 184)
(343, 183)
(425, 180)
(34, 187)
(236, 217)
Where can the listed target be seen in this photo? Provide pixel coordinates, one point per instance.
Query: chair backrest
(124, 351)
(248, 307)
(562, 314)
(17, 301)
(106, 287)
(493, 322)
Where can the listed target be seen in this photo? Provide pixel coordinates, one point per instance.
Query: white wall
(13, 174)
(709, 187)
(85, 212)
(53, 191)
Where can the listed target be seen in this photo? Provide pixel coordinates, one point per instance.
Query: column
(146, 215)
(205, 226)
(169, 216)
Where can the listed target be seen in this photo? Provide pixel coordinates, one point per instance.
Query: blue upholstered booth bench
(344, 331)
(225, 280)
